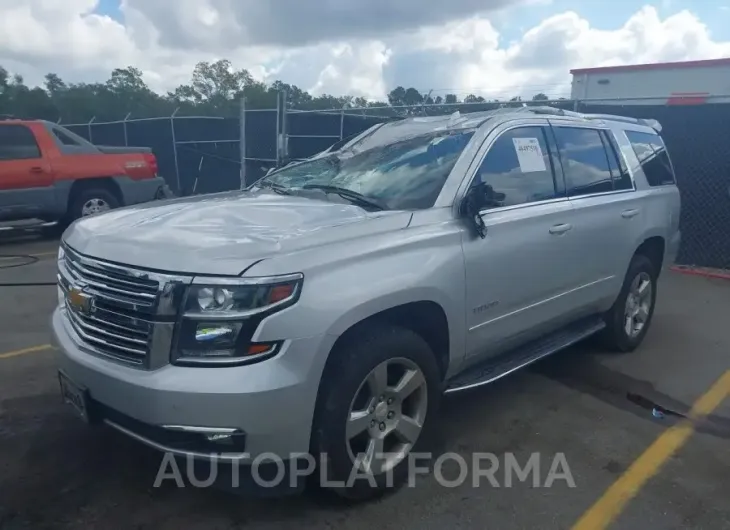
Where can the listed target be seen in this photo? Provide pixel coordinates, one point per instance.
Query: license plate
(74, 396)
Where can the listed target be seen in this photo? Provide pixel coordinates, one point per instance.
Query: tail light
(151, 162)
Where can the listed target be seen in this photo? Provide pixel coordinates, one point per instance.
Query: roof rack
(7, 117)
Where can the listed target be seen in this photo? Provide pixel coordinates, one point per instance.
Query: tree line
(215, 89)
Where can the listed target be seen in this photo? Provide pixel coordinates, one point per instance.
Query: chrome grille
(112, 285)
(117, 321)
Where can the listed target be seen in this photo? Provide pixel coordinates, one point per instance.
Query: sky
(493, 48)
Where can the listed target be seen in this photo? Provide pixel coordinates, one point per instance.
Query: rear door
(606, 210)
(25, 176)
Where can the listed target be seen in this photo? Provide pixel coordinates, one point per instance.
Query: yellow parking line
(34, 349)
(43, 254)
(615, 499)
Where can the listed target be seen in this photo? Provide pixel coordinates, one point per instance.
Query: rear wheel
(375, 408)
(92, 201)
(627, 322)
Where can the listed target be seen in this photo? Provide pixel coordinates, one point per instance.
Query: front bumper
(271, 403)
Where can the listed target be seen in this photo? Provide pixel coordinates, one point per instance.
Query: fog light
(218, 437)
(211, 333)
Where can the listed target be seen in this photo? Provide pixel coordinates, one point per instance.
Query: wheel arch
(105, 183)
(653, 247)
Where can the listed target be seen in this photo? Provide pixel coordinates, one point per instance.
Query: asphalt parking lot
(630, 469)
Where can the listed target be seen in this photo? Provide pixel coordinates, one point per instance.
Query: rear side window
(17, 143)
(518, 168)
(619, 169)
(585, 161)
(653, 157)
(64, 138)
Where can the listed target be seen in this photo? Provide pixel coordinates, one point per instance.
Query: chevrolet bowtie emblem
(81, 301)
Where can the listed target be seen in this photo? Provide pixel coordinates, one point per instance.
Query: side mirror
(480, 196)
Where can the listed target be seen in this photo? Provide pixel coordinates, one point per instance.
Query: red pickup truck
(47, 172)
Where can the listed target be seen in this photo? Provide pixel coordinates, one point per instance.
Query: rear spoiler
(654, 124)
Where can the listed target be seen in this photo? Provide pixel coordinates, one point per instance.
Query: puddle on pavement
(582, 371)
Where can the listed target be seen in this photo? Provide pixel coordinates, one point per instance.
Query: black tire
(75, 210)
(614, 336)
(353, 361)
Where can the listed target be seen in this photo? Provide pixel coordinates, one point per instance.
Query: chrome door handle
(560, 229)
(628, 214)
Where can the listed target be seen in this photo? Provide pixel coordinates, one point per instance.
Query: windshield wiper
(352, 196)
(277, 188)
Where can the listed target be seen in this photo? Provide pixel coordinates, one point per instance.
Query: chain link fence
(208, 154)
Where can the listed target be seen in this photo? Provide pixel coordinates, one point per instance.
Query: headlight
(61, 254)
(221, 315)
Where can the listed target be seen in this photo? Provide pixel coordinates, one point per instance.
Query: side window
(652, 155)
(518, 168)
(17, 143)
(585, 161)
(64, 138)
(619, 170)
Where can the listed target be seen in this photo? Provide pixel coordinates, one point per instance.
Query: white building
(679, 83)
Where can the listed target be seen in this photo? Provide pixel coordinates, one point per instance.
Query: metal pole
(124, 124)
(423, 107)
(91, 139)
(174, 150)
(284, 127)
(342, 119)
(242, 145)
(278, 128)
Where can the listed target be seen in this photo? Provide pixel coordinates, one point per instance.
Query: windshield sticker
(529, 155)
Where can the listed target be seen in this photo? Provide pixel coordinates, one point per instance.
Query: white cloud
(165, 39)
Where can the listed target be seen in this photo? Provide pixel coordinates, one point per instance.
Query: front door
(25, 177)
(516, 275)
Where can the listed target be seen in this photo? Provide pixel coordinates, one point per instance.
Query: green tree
(471, 98)
(540, 97)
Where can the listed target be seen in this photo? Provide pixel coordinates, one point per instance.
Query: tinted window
(653, 157)
(518, 167)
(619, 170)
(17, 142)
(585, 162)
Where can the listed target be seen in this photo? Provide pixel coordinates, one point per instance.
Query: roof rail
(553, 111)
(7, 117)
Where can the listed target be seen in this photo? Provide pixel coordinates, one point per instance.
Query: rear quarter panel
(661, 205)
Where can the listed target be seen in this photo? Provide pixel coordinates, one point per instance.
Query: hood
(222, 234)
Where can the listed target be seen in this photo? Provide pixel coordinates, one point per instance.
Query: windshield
(403, 175)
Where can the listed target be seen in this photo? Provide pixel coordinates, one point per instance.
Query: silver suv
(326, 309)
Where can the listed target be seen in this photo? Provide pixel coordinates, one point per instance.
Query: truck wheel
(91, 201)
(629, 318)
(375, 408)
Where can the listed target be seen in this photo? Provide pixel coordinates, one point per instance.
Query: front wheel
(376, 406)
(627, 322)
